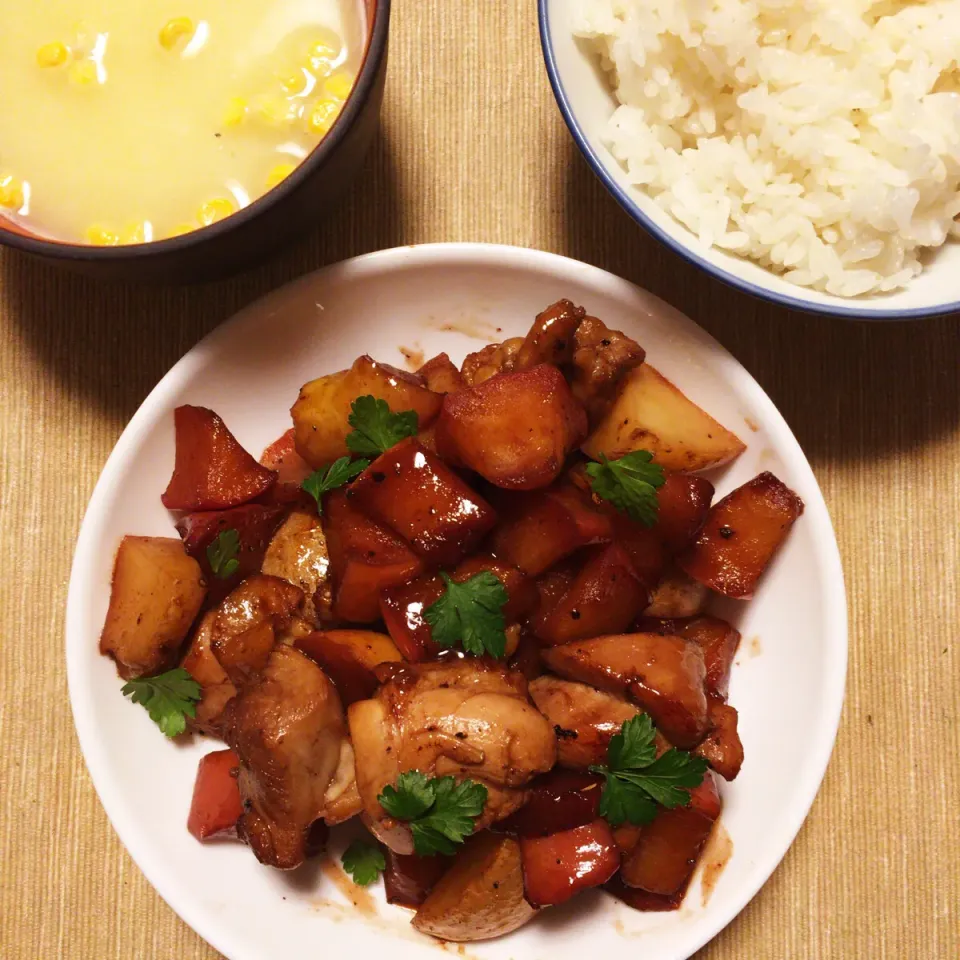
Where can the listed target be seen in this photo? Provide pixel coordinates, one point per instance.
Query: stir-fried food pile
(467, 607)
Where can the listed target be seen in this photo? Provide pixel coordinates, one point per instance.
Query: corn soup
(124, 121)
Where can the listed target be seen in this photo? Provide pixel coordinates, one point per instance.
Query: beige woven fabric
(473, 148)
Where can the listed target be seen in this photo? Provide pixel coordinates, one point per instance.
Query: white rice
(820, 138)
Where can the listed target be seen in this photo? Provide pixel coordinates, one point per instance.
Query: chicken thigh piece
(465, 718)
(287, 728)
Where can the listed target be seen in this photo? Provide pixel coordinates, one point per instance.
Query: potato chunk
(481, 896)
(514, 429)
(741, 535)
(320, 415)
(650, 413)
(156, 593)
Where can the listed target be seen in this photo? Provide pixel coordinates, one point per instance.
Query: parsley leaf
(169, 698)
(336, 475)
(412, 797)
(375, 428)
(630, 484)
(471, 614)
(222, 554)
(446, 820)
(364, 862)
(637, 781)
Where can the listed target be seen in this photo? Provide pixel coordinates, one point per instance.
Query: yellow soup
(123, 121)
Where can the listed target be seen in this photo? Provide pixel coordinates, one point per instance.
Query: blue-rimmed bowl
(587, 102)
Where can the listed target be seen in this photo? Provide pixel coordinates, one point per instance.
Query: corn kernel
(181, 228)
(100, 236)
(83, 73)
(53, 54)
(294, 82)
(214, 210)
(279, 173)
(11, 193)
(235, 113)
(137, 233)
(339, 86)
(321, 116)
(173, 30)
(323, 52)
(275, 111)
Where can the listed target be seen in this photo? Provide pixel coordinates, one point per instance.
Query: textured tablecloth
(473, 148)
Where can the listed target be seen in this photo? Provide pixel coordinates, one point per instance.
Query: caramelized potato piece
(718, 641)
(663, 674)
(156, 593)
(255, 525)
(559, 800)
(583, 718)
(536, 530)
(480, 896)
(650, 413)
(668, 849)
(741, 535)
(415, 494)
(298, 554)
(211, 470)
(320, 415)
(557, 867)
(682, 505)
(348, 658)
(216, 805)
(677, 595)
(514, 429)
(721, 747)
(365, 558)
(402, 607)
(441, 375)
(603, 598)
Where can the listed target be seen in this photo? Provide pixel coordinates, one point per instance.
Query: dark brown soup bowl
(256, 231)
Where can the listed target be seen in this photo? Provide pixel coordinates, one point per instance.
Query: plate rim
(454, 254)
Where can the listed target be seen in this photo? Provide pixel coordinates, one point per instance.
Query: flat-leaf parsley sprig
(470, 614)
(169, 698)
(630, 484)
(441, 813)
(375, 428)
(638, 782)
(329, 478)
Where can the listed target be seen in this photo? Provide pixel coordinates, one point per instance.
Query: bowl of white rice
(804, 151)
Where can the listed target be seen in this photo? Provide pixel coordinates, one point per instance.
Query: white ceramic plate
(787, 685)
(587, 102)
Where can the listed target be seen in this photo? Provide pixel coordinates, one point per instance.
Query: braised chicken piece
(298, 554)
(664, 675)
(234, 641)
(601, 358)
(287, 728)
(454, 717)
(493, 359)
(551, 338)
(341, 801)
(721, 747)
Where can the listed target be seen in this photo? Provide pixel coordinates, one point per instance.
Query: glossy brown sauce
(360, 898)
(715, 857)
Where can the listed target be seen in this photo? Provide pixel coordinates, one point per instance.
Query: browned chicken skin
(298, 554)
(455, 717)
(287, 728)
(551, 338)
(601, 358)
(233, 642)
(491, 360)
